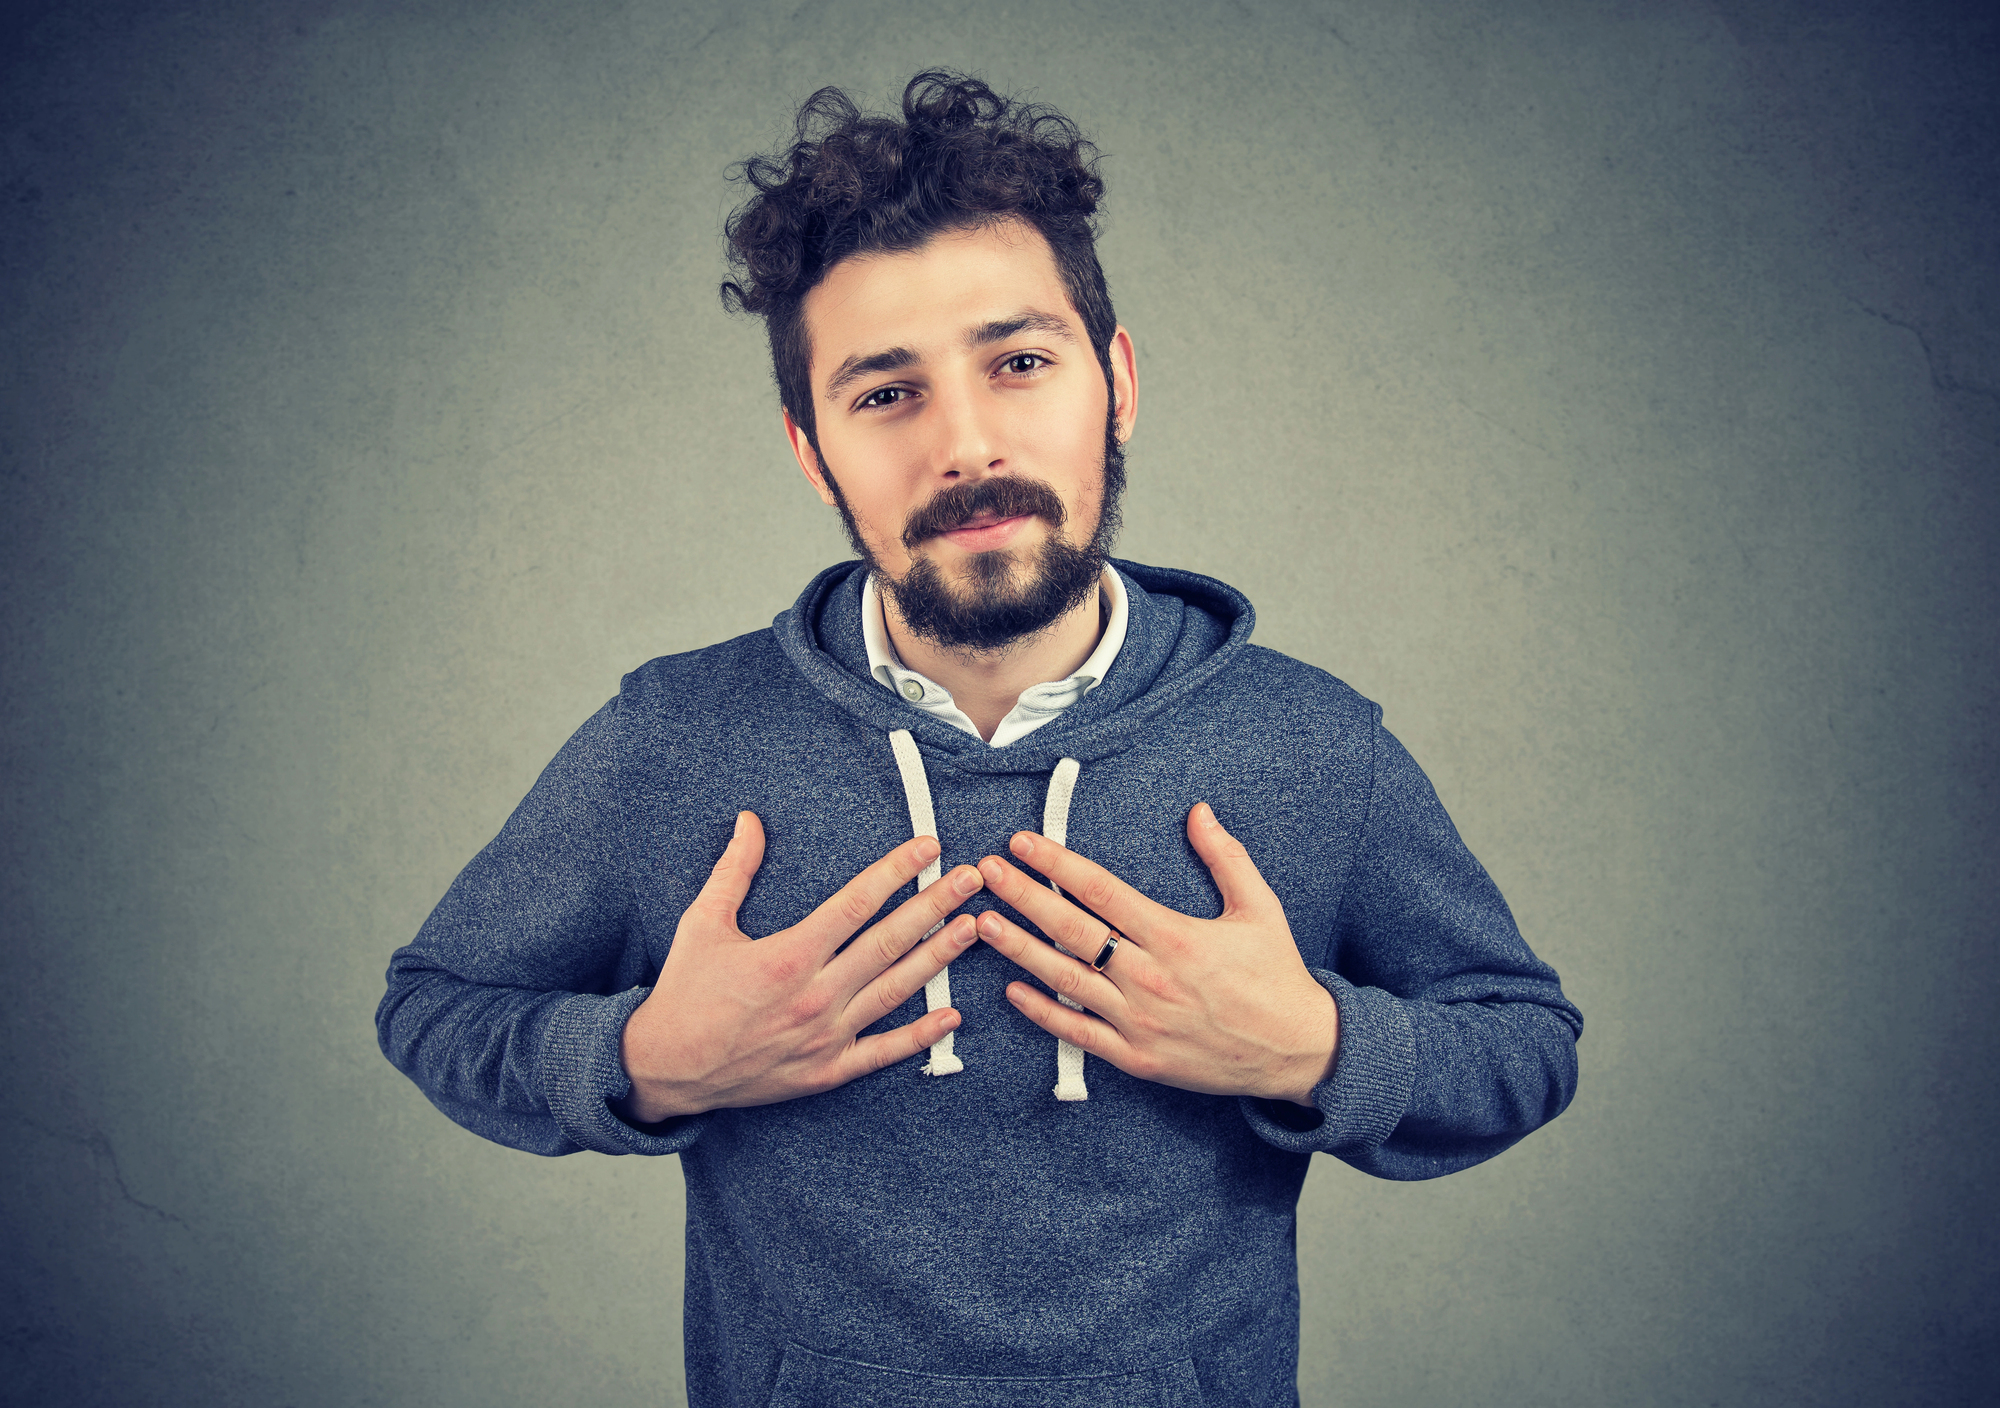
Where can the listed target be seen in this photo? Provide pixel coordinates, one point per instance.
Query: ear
(808, 459)
(1124, 382)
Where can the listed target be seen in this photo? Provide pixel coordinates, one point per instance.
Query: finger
(1236, 875)
(868, 956)
(1073, 978)
(1091, 1034)
(896, 986)
(872, 1053)
(1055, 916)
(858, 901)
(1090, 884)
(722, 893)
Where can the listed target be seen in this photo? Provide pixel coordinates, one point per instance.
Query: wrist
(1315, 1063)
(654, 1095)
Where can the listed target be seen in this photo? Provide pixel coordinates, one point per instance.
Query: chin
(993, 600)
(993, 572)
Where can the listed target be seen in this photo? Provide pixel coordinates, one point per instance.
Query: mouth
(985, 515)
(984, 532)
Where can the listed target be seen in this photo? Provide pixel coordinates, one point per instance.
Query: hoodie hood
(1183, 630)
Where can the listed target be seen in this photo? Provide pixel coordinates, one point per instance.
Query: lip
(987, 536)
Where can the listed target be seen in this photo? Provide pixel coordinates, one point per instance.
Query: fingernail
(990, 870)
(989, 924)
(1013, 995)
(965, 934)
(1023, 844)
(951, 1021)
(928, 847)
(1205, 814)
(965, 880)
(739, 826)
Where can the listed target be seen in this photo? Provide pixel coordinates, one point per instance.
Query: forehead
(925, 299)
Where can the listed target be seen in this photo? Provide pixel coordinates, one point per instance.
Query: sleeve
(1455, 1040)
(508, 1007)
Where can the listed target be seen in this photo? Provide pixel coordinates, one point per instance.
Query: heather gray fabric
(969, 1239)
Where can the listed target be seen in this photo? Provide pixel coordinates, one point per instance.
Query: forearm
(534, 1070)
(1423, 1088)
(464, 1041)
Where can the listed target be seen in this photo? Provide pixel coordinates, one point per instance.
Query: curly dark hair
(962, 156)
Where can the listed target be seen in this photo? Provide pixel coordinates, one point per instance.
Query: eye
(1022, 363)
(882, 395)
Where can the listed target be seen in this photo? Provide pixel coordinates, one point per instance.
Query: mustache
(1004, 496)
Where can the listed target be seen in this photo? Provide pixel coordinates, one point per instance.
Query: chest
(830, 811)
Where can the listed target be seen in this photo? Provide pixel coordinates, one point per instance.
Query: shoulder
(731, 675)
(1264, 682)
(707, 703)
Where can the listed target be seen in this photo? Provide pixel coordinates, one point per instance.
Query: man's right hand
(732, 1022)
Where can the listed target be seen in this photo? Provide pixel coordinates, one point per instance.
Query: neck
(985, 684)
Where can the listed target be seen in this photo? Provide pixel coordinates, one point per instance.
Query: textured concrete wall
(1608, 388)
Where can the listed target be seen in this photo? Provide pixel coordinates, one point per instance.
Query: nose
(969, 443)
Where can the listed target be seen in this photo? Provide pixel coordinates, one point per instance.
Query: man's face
(965, 431)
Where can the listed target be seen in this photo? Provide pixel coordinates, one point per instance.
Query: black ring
(1111, 940)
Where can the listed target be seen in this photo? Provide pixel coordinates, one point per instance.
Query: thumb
(1236, 875)
(722, 893)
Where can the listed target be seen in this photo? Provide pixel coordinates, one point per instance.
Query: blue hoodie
(917, 1240)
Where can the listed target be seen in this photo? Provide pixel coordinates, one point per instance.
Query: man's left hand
(1224, 1006)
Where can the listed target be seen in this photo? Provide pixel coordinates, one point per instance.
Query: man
(1262, 935)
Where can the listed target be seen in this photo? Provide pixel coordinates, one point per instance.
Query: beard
(1001, 598)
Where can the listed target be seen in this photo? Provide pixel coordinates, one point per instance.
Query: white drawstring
(1055, 826)
(917, 791)
(923, 822)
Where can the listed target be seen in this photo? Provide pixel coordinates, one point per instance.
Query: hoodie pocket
(811, 1380)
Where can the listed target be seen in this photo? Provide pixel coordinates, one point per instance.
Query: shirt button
(912, 691)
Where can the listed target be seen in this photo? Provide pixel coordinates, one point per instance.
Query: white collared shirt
(1038, 703)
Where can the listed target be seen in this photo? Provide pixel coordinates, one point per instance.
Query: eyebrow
(983, 335)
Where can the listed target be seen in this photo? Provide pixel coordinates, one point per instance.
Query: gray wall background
(1608, 388)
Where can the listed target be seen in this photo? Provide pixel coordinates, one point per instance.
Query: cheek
(881, 489)
(1064, 446)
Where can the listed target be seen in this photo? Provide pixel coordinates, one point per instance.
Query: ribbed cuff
(582, 1074)
(1363, 1097)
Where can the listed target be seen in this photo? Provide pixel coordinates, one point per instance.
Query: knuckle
(854, 908)
(806, 1009)
(884, 945)
(786, 967)
(873, 1055)
(882, 1001)
(883, 998)
(1078, 932)
(942, 897)
(1096, 891)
